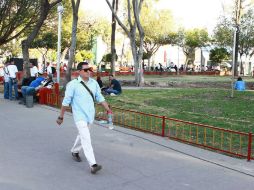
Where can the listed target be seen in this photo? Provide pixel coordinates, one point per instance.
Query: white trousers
(83, 140)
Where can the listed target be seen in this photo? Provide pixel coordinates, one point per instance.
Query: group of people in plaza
(81, 94)
(10, 80)
(29, 86)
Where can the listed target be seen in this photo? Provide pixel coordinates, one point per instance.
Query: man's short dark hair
(111, 75)
(79, 67)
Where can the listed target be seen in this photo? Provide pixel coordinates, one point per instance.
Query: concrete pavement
(35, 155)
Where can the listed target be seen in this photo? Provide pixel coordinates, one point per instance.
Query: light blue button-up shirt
(81, 100)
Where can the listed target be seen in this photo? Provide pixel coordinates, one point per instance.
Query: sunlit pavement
(35, 155)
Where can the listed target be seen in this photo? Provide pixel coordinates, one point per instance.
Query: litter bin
(29, 101)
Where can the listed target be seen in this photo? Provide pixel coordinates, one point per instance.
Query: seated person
(239, 84)
(99, 81)
(47, 83)
(115, 87)
(35, 85)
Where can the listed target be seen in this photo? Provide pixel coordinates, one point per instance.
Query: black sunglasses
(85, 70)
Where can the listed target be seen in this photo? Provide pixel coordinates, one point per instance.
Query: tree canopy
(158, 25)
(191, 39)
(16, 18)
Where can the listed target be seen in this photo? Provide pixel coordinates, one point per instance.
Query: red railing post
(163, 126)
(249, 147)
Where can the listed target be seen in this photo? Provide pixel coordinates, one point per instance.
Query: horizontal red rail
(231, 142)
(207, 126)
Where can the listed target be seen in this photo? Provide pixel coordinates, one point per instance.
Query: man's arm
(105, 105)
(61, 116)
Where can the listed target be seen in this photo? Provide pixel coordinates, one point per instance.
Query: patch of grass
(182, 78)
(207, 106)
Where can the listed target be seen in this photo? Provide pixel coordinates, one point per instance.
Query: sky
(187, 13)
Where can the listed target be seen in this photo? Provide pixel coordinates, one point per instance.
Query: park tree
(82, 55)
(113, 36)
(246, 37)
(158, 29)
(16, 18)
(43, 43)
(91, 26)
(217, 55)
(43, 11)
(223, 35)
(190, 40)
(132, 29)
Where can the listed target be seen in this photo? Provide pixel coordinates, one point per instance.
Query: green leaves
(157, 26)
(46, 40)
(16, 17)
(217, 55)
(83, 55)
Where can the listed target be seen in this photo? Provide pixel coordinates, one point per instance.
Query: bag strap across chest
(90, 92)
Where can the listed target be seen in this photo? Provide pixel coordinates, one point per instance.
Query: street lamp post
(178, 66)
(60, 11)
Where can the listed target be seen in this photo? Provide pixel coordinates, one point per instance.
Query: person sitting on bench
(35, 85)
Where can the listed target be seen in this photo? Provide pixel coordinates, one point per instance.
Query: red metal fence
(231, 142)
(103, 74)
(227, 141)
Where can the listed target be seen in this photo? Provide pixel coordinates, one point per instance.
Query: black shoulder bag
(88, 90)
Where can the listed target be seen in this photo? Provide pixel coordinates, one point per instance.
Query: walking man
(80, 94)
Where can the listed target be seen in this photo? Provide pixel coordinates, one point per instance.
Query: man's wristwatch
(60, 118)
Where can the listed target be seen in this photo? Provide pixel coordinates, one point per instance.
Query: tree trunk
(140, 56)
(113, 37)
(44, 10)
(241, 65)
(75, 8)
(122, 54)
(65, 51)
(131, 32)
(134, 55)
(149, 64)
(25, 52)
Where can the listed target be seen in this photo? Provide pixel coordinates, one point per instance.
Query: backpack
(53, 70)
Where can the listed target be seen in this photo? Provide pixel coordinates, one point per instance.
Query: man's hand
(59, 120)
(109, 111)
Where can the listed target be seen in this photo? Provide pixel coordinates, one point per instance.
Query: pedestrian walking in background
(81, 94)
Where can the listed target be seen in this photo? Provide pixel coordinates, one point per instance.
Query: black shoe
(95, 168)
(22, 102)
(76, 157)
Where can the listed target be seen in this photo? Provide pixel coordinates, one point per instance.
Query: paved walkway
(35, 155)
